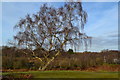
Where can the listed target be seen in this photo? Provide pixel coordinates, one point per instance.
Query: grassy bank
(66, 74)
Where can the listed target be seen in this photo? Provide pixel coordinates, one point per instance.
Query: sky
(102, 24)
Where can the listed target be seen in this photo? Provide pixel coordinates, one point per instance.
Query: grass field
(67, 74)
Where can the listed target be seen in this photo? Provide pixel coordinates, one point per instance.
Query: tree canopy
(53, 28)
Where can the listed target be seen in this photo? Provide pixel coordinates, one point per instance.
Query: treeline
(13, 58)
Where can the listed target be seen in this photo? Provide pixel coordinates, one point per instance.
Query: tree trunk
(44, 67)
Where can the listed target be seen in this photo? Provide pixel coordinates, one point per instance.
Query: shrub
(70, 51)
(7, 63)
(21, 63)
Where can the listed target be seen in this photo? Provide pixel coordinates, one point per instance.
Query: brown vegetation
(91, 61)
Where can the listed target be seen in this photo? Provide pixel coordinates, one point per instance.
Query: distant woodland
(13, 58)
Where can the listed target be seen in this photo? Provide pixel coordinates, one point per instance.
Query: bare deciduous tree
(52, 29)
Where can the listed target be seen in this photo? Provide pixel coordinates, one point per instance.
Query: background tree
(52, 29)
(70, 51)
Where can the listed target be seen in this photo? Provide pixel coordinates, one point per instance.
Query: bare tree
(52, 29)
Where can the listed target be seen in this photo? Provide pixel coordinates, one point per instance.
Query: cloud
(102, 25)
(99, 44)
(113, 35)
(105, 42)
(109, 19)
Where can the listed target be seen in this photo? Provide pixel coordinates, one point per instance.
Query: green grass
(68, 74)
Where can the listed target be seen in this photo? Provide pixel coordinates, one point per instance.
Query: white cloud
(104, 29)
(108, 21)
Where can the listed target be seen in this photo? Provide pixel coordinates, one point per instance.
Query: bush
(7, 63)
(21, 63)
(70, 51)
